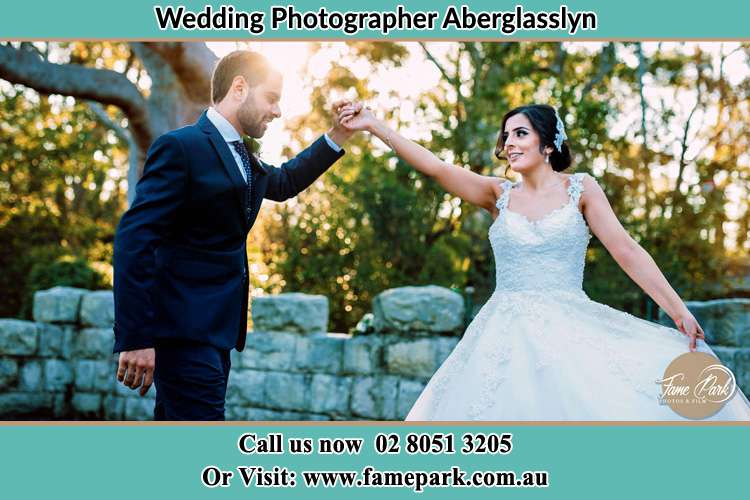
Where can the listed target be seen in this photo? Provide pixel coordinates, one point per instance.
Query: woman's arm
(634, 260)
(477, 189)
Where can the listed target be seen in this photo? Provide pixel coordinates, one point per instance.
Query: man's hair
(246, 63)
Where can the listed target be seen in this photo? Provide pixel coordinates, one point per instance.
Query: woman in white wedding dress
(540, 349)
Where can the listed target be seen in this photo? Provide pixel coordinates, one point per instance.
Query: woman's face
(521, 144)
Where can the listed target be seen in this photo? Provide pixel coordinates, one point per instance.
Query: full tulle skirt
(558, 356)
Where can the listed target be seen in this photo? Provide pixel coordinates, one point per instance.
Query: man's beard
(251, 123)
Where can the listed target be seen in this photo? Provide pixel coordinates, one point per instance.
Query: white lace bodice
(547, 254)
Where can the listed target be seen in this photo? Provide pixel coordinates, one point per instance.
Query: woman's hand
(688, 325)
(357, 117)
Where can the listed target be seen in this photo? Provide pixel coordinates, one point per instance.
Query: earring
(546, 158)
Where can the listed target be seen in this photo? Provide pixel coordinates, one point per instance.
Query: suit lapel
(227, 160)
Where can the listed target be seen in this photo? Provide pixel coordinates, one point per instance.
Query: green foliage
(369, 227)
(65, 270)
(60, 196)
(372, 223)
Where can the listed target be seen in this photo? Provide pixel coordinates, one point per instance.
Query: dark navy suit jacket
(180, 264)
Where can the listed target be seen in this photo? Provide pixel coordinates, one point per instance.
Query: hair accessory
(560, 134)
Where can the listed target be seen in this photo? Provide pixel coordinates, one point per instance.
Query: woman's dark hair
(544, 122)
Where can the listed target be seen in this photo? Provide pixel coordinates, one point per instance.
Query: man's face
(261, 105)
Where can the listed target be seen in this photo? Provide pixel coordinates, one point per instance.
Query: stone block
(268, 351)
(61, 409)
(87, 405)
(417, 358)
(18, 338)
(363, 354)
(374, 397)
(741, 369)
(58, 375)
(726, 355)
(96, 376)
(246, 387)
(418, 309)
(30, 376)
(94, 343)
(320, 353)
(234, 412)
(443, 348)
(266, 415)
(56, 341)
(408, 392)
(19, 404)
(137, 408)
(291, 312)
(287, 391)
(60, 304)
(113, 407)
(8, 373)
(330, 394)
(98, 309)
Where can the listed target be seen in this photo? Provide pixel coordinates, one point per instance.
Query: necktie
(239, 146)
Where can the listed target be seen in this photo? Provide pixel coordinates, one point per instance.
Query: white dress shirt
(230, 134)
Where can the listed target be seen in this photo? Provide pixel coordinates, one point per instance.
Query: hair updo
(544, 122)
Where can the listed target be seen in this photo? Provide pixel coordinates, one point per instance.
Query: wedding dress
(540, 349)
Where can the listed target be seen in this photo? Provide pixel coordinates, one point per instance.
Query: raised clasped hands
(356, 117)
(340, 133)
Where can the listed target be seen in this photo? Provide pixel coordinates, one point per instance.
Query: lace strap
(502, 202)
(575, 187)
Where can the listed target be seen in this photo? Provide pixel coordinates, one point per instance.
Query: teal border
(126, 461)
(135, 19)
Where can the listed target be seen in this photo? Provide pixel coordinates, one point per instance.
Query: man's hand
(136, 369)
(356, 117)
(338, 133)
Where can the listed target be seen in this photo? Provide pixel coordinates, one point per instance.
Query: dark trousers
(191, 381)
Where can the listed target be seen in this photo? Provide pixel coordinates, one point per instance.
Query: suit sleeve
(159, 195)
(297, 174)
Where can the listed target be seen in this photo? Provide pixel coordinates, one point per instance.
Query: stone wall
(61, 366)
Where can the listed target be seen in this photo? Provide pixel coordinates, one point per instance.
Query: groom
(180, 264)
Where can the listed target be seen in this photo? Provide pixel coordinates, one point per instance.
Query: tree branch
(125, 136)
(104, 119)
(101, 85)
(606, 63)
(437, 64)
(560, 56)
(644, 107)
(129, 63)
(683, 144)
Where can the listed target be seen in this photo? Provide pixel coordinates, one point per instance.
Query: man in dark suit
(180, 264)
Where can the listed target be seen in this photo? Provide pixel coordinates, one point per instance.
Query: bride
(540, 349)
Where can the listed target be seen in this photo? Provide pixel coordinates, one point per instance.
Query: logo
(696, 385)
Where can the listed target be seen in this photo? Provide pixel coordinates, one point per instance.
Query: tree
(60, 196)
(116, 74)
(97, 102)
